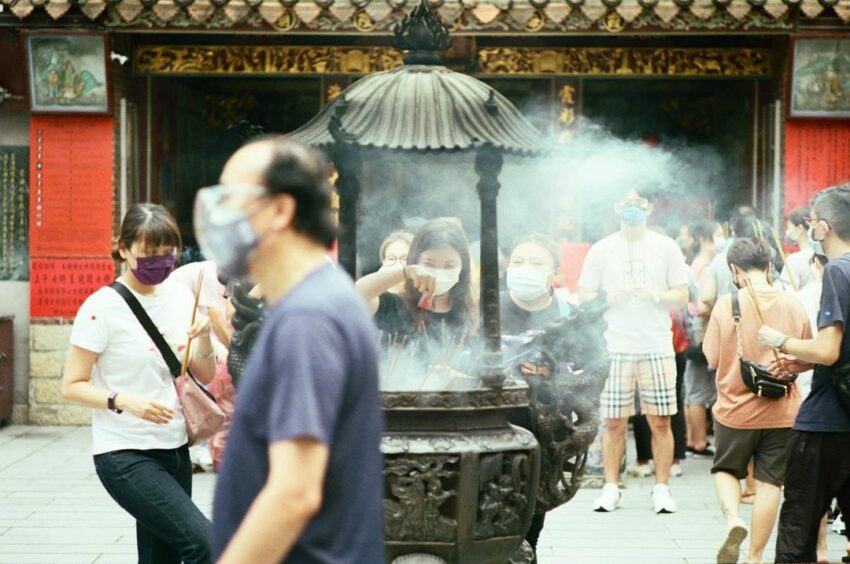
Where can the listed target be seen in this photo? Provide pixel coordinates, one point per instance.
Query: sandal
(748, 498)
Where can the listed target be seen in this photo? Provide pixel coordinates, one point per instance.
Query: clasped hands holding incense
(786, 365)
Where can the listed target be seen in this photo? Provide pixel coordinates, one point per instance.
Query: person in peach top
(748, 426)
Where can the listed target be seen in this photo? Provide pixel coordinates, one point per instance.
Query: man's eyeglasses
(809, 221)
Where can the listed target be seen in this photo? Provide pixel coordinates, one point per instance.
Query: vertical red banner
(817, 155)
(71, 172)
(71, 203)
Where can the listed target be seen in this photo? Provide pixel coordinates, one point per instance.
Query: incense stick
(752, 293)
(784, 260)
(194, 313)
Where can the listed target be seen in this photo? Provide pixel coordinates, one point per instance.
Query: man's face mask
(815, 244)
(528, 283)
(633, 214)
(446, 278)
(223, 226)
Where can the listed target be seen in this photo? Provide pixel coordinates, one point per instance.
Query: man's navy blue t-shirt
(822, 412)
(313, 373)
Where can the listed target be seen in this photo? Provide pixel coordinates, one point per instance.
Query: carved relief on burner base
(422, 496)
(463, 496)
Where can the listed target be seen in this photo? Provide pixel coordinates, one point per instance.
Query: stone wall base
(48, 351)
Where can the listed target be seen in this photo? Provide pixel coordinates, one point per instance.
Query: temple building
(104, 103)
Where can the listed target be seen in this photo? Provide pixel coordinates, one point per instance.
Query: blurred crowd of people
(723, 330)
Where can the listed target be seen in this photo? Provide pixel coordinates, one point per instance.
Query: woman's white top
(130, 363)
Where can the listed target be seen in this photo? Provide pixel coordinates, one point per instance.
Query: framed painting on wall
(820, 78)
(68, 72)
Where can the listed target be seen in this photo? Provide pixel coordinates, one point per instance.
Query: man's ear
(284, 212)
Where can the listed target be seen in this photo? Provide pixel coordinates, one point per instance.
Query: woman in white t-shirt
(139, 434)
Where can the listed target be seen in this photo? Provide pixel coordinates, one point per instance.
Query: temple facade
(107, 102)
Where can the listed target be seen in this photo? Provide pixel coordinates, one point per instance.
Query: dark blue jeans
(155, 487)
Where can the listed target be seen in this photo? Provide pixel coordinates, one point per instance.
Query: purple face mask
(151, 271)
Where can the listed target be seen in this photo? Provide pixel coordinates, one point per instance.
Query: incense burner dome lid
(422, 105)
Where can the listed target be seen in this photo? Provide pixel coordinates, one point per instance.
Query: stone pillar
(48, 350)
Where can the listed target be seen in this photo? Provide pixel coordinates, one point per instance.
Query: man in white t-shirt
(644, 275)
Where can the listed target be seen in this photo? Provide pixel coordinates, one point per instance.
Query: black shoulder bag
(757, 378)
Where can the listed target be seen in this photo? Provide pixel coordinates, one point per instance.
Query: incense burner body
(460, 481)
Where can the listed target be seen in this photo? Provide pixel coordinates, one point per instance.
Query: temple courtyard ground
(54, 510)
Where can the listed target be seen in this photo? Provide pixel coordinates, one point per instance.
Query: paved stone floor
(53, 510)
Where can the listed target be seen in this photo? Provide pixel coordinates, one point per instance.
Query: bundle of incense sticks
(753, 297)
(185, 364)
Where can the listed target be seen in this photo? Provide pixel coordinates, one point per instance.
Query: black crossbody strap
(736, 306)
(157, 338)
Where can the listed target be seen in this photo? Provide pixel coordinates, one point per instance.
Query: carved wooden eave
(648, 62)
(464, 16)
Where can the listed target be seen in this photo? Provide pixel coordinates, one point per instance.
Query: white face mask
(527, 283)
(447, 278)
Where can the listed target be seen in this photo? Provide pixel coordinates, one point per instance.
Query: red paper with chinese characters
(58, 287)
(71, 175)
(817, 155)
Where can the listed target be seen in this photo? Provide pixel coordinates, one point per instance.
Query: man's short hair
(748, 254)
(833, 205)
(702, 230)
(302, 172)
(798, 216)
(743, 225)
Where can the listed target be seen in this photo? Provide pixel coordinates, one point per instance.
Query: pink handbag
(202, 414)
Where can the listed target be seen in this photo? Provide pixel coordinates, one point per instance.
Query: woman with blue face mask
(529, 302)
(437, 297)
(139, 438)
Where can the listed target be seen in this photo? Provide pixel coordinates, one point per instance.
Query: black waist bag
(758, 378)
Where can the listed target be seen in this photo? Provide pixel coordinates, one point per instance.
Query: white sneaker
(609, 500)
(639, 470)
(730, 550)
(662, 500)
(676, 470)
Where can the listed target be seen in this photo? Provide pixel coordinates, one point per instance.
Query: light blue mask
(224, 234)
(816, 246)
(633, 215)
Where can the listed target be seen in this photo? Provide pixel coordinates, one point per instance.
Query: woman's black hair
(544, 241)
(149, 224)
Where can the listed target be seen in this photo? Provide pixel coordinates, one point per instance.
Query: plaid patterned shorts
(655, 376)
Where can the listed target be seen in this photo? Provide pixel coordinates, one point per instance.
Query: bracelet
(110, 403)
(205, 356)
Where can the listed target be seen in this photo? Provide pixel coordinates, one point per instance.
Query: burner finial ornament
(423, 35)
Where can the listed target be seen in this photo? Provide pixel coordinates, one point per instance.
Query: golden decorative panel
(263, 59)
(624, 62)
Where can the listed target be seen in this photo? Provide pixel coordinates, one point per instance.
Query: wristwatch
(110, 403)
(779, 341)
